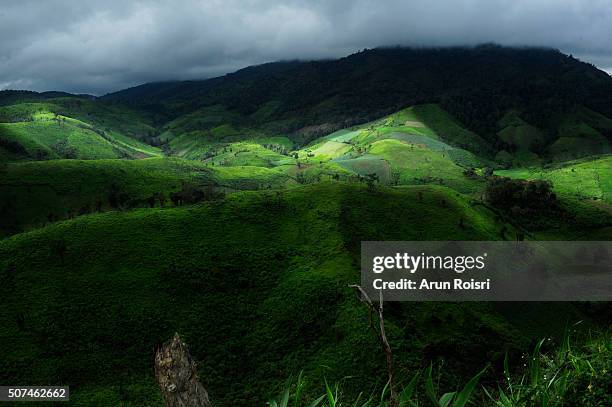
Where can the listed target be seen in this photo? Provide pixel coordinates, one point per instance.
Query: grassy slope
(248, 153)
(408, 147)
(422, 165)
(43, 140)
(71, 128)
(293, 248)
(583, 179)
(579, 133)
(584, 189)
(208, 135)
(582, 133)
(37, 192)
(239, 279)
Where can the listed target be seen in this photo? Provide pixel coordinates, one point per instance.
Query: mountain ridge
(376, 82)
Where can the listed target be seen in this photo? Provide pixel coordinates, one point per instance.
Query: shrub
(527, 196)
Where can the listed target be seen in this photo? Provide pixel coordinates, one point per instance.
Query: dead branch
(382, 336)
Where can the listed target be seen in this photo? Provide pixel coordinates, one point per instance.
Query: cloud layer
(97, 47)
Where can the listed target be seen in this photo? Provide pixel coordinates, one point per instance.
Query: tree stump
(177, 378)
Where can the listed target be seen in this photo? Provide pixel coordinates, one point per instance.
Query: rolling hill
(257, 283)
(71, 127)
(232, 209)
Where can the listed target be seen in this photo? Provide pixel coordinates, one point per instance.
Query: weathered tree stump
(177, 378)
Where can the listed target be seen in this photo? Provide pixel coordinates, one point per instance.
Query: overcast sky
(106, 45)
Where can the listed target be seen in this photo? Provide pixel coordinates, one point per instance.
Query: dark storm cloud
(100, 46)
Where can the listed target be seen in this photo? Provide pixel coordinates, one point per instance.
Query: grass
(257, 281)
(205, 118)
(518, 133)
(368, 164)
(40, 192)
(587, 179)
(449, 130)
(583, 190)
(578, 133)
(416, 145)
(44, 140)
(250, 154)
(238, 279)
(566, 374)
(45, 131)
(419, 165)
(569, 374)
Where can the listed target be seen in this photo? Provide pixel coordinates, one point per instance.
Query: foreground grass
(552, 375)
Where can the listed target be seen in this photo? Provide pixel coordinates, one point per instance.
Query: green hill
(36, 193)
(586, 179)
(257, 284)
(70, 128)
(404, 148)
(583, 187)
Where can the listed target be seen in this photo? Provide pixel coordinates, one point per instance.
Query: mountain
(477, 85)
(524, 104)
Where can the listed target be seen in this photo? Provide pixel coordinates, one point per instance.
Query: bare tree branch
(382, 336)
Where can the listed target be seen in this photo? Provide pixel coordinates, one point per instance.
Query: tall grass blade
(406, 396)
(316, 402)
(429, 387)
(384, 393)
(446, 399)
(464, 395)
(299, 386)
(330, 395)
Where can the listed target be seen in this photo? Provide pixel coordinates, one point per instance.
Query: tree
(380, 333)
(396, 176)
(526, 195)
(371, 180)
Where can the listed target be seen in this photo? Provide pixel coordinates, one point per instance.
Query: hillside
(518, 106)
(476, 85)
(239, 279)
(40, 192)
(415, 146)
(71, 127)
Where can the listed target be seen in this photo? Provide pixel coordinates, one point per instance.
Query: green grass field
(40, 192)
(418, 165)
(256, 284)
(586, 179)
(46, 131)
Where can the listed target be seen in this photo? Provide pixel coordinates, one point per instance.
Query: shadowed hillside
(476, 85)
